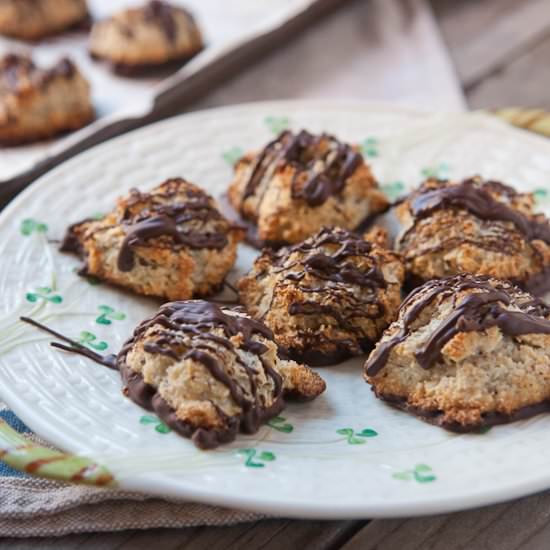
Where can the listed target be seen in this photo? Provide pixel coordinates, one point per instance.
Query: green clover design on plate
(108, 315)
(280, 424)
(356, 438)
(256, 459)
(541, 195)
(43, 293)
(438, 171)
(90, 339)
(160, 426)
(369, 147)
(393, 189)
(421, 473)
(277, 124)
(30, 226)
(231, 156)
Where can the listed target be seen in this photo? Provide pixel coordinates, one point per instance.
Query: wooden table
(501, 49)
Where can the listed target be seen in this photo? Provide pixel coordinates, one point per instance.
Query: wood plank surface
(519, 525)
(265, 535)
(501, 50)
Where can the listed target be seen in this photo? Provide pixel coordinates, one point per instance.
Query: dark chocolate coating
(195, 318)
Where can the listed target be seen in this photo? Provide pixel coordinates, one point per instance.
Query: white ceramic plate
(344, 455)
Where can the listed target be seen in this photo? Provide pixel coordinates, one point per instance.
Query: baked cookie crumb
(301, 182)
(170, 243)
(140, 39)
(36, 19)
(474, 226)
(37, 103)
(466, 352)
(326, 299)
(210, 372)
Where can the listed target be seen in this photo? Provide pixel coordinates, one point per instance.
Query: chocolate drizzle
(108, 361)
(476, 197)
(470, 196)
(163, 14)
(186, 331)
(18, 72)
(336, 272)
(165, 224)
(475, 312)
(177, 214)
(322, 166)
(333, 267)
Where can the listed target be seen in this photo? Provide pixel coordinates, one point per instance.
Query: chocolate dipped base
(317, 358)
(214, 372)
(146, 396)
(436, 417)
(143, 70)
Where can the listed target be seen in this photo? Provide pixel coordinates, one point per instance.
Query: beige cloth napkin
(377, 49)
(40, 508)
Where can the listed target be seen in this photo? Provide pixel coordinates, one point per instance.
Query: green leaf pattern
(255, 459)
(439, 171)
(369, 147)
(231, 156)
(356, 438)
(393, 189)
(30, 226)
(160, 426)
(108, 315)
(90, 339)
(541, 195)
(277, 124)
(43, 293)
(422, 473)
(280, 424)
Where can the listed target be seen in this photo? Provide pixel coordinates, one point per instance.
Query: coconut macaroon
(210, 372)
(146, 37)
(301, 182)
(466, 352)
(171, 242)
(39, 103)
(327, 298)
(35, 19)
(474, 226)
